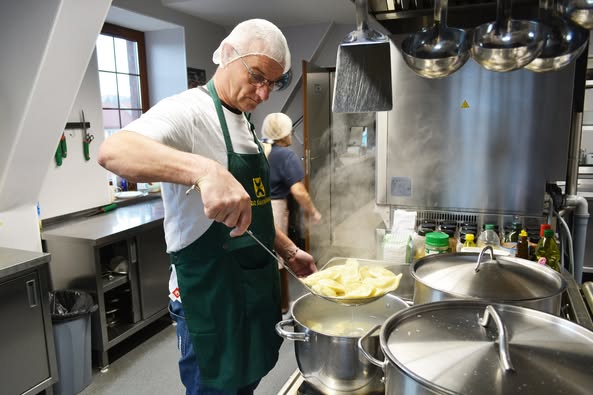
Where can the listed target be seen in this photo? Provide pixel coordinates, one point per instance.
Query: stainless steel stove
(577, 306)
(296, 385)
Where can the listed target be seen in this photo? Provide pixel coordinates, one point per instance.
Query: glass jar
(437, 243)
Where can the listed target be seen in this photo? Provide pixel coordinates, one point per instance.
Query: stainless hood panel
(475, 141)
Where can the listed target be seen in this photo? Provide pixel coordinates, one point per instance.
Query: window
(122, 76)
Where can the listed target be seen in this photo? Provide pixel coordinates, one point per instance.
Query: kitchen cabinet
(120, 258)
(27, 355)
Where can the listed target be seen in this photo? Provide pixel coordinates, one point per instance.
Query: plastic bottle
(513, 235)
(523, 245)
(542, 228)
(469, 240)
(511, 238)
(420, 243)
(489, 237)
(547, 251)
(437, 243)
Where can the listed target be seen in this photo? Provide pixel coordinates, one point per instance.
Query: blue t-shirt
(285, 171)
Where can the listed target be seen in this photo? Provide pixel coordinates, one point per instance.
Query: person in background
(224, 287)
(286, 178)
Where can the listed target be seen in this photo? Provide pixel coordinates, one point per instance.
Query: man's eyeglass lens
(259, 80)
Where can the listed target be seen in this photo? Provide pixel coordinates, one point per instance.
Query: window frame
(137, 36)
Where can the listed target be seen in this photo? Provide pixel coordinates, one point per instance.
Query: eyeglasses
(259, 80)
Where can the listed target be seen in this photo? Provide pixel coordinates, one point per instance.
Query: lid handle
(489, 248)
(503, 343)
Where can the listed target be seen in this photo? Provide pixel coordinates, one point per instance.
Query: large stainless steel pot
(471, 347)
(327, 360)
(496, 279)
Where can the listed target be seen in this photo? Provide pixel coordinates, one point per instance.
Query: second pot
(496, 279)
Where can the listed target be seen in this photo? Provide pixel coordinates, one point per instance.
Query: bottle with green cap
(437, 243)
(547, 251)
(489, 237)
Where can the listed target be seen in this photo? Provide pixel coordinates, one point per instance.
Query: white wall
(78, 184)
(165, 58)
(201, 37)
(46, 47)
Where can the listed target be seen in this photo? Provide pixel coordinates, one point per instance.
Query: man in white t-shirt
(215, 185)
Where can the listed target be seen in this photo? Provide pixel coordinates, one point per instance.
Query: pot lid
(443, 346)
(502, 279)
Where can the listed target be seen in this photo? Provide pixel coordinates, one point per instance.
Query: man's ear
(227, 52)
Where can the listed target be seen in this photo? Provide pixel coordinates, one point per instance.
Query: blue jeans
(189, 371)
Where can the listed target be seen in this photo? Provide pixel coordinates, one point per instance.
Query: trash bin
(71, 319)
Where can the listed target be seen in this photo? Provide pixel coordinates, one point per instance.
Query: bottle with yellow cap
(469, 240)
(523, 245)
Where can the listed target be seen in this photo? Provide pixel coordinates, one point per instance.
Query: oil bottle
(547, 251)
(523, 245)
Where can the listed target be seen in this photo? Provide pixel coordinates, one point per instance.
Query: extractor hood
(407, 16)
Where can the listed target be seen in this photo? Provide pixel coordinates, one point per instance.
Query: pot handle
(486, 248)
(503, 343)
(364, 352)
(299, 336)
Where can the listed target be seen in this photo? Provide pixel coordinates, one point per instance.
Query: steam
(342, 184)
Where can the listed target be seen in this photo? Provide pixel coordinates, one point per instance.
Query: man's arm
(303, 198)
(140, 159)
(299, 261)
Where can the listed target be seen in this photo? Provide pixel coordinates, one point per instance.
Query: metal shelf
(115, 281)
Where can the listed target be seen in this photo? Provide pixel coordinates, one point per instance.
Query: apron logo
(258, 187)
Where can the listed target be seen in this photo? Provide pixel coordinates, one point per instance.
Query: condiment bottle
(437, 243)
(523, 245)
(489, 237)
(547, 251)
(469, 240)
(420, 243)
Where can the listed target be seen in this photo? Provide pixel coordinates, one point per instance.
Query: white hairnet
(256, 37)
(276, 126)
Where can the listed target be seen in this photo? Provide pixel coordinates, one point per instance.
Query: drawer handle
(32, 293)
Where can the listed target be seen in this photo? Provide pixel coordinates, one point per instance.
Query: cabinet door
(153, 271)
(23, 354)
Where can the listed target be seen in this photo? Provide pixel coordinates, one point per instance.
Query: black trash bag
(66, 305)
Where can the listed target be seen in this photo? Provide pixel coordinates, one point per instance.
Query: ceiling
(283, 13)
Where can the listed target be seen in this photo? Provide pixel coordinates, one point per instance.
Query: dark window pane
(105, 52)
(129, 91)
(126, 56)
(128, 116)
(108, 86)
(111, 119)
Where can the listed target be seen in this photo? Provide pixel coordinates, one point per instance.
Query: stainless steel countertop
(14, 261)
(102, 228)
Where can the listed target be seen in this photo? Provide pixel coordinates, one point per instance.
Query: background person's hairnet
(256, 37)
(276, 126)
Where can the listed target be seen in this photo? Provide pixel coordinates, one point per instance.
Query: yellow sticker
(465, 104)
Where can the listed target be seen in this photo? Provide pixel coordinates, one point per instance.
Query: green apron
(230, 287)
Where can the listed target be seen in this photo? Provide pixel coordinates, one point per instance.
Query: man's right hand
(225, 200)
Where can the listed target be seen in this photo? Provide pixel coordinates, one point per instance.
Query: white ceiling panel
(283, 13)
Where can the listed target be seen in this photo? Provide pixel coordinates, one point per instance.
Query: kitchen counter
(104, 228)
(83, 249)
(15, 261)
(27, 355)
